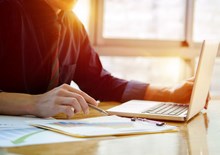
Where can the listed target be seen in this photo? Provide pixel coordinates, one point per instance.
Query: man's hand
(63, 99)
(180, 93)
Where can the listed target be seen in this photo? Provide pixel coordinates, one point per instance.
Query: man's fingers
(68, 110)
(83, 103)
(206, 105)
(74, 99)
(88, 98)
(79, 101)
(207, 101)
(70, 101)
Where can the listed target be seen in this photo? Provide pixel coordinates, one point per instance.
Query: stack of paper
(102, 126)
(20, 131)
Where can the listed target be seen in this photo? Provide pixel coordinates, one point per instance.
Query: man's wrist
(156, 93)
(16, 104)
(34, 101)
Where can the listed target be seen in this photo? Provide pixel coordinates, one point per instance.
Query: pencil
(98, 109)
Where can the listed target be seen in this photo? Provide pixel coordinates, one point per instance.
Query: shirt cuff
(134, 91)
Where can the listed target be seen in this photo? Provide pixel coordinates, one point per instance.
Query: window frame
(187, 49)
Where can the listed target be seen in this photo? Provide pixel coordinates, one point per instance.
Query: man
(43, 46)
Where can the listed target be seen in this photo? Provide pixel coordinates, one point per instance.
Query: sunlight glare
(82, 9)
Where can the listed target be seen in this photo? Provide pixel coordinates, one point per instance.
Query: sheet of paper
(14, 122)
(102, 126)
(15, 131)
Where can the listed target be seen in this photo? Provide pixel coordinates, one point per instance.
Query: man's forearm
(16, 104)
(156, 93)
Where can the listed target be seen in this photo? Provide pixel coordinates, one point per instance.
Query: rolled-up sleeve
(134, 90)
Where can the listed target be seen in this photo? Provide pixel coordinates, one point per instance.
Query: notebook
(173, 111)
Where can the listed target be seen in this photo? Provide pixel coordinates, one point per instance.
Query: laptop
(173, 111)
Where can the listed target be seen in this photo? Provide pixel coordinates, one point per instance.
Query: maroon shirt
(28, 37)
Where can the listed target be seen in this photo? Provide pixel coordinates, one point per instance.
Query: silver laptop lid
(203, 77)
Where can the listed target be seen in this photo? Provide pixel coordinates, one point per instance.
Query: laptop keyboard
(168, 109)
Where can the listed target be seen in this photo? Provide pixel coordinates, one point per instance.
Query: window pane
(207, 20)
(82, 10)
(144, 19)
(158, 71)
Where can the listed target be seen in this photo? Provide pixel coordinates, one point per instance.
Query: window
(207, 20)
(149, 20)
(144, 19)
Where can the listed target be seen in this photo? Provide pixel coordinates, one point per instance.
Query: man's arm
(158, 93)
(63, 99)
(180, 93)
(16, 104)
